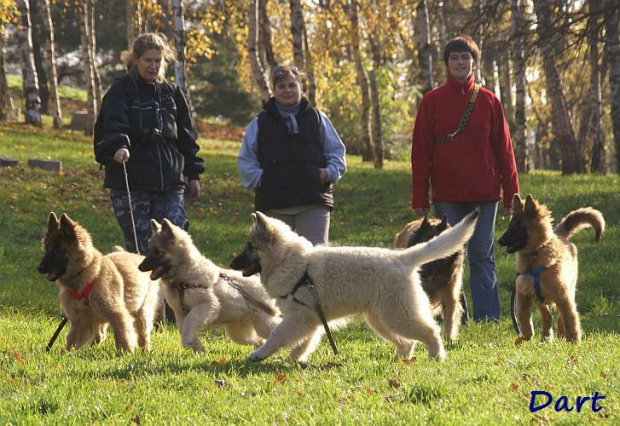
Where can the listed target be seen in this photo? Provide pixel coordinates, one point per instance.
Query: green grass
(485, 380)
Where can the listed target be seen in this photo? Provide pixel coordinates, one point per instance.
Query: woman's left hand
(194, 190)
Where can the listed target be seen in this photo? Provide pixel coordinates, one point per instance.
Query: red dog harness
(84, 296)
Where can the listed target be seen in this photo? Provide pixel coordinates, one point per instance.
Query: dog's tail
(579, 219)
(445, 244)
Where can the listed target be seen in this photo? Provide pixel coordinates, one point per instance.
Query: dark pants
(167, 204)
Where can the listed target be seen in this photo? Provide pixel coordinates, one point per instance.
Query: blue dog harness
(536, 274)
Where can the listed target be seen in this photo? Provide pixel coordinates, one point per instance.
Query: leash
(247, 296)
(82, 298)
(62, 324)
(305, 280)
(513, 307)
(133, 223)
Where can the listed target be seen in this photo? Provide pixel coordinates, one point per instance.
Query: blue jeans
(480, 252)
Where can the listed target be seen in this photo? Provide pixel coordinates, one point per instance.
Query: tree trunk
(563, 128)
(362, 81)
(180, 43)
(92, 45)
(130, 12)
(87, 66)
(253, 52)
(6, 104)
(423, 45)
(377, 134)
(598, 161)
(520, 143)
(32, 101)
(309, 69)
(297, 23)
(504, 73)
(267, 57)
(50, 48)
(612, 41)
(38, 50)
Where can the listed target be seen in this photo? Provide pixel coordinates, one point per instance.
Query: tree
(612, 41)
(180, 42)
(596, 121)
(561, 120)
(8, 12)
(520, 143)
(253, 51)
(32, 110)
(423, 45)
(50, 48)
(88, 63)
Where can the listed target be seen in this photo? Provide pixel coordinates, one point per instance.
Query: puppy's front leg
(286, 334)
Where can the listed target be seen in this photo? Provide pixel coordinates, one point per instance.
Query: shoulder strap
(464, 119)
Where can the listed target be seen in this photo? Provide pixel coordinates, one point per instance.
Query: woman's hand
(324, 177)
(193, 188)
(122, 155)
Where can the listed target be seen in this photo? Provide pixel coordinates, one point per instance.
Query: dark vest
(290, 162)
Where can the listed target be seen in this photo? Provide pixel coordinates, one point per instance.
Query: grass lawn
(485, 380)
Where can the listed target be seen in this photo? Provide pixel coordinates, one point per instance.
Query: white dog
(202, 295)
(381, 284)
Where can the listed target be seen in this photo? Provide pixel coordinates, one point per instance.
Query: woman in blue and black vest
(290, 156)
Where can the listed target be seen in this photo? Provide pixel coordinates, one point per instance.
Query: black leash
(513, 307)
(305, 280)
(56, 333)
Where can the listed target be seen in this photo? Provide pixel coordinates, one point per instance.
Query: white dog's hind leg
(404, 347)
(301, 352)
(243, 333)
(288, 333)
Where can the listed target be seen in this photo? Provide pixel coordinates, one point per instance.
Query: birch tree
(6, 104)
(362, 81)
(44, 6)
(521, 151)
(562, 125)
(32, 101)
(88, 65)
(598, 160)
(180, 42)
(253, 52)
(423, 45)
(612, 42)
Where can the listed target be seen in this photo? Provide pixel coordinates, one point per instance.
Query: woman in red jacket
(462, 158)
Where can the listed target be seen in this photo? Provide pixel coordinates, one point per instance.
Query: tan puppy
(203, 295)
(547, 265)
(97, 290)
(441, 279)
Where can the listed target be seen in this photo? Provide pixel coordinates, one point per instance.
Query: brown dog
(97, 290)
(441, 279)
(547, 265)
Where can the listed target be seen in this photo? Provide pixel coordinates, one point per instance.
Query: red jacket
(475, 163)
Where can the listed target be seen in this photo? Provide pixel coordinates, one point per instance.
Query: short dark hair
(282, 71)
(461, 44)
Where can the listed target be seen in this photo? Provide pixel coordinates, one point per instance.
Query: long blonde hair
(149, 41)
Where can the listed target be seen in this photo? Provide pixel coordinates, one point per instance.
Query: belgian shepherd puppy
(547, 265)
(381, 284)
(97, 290)
(204, 295)
(441, 279)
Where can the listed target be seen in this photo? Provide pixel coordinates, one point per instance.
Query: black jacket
(291, 162)
(152, 121)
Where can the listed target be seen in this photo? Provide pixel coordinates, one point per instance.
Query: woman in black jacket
(144, 134)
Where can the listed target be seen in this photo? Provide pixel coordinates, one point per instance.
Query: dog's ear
(531, 206)
(254, 217)
(67, 228)
(167, 228)
(444, 222)
(155, 226)
(426, 224)
(52, 222)
(517, 203)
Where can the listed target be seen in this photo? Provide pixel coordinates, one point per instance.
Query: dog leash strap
(133, 223)
(513, 307)
(321, 314)
(248, 296)
(56, 333)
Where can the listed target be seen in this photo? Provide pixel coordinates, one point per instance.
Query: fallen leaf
(20, 359)
(280, 377)
(410, 361)
(394, 383)
(514, 387)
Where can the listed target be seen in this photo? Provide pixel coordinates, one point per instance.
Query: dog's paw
(254, 357)
(520, 340)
